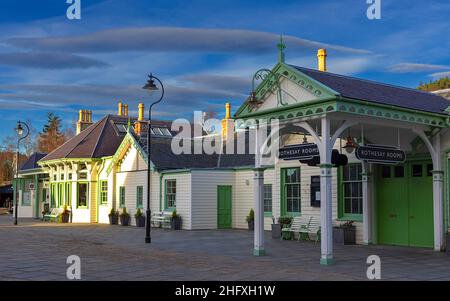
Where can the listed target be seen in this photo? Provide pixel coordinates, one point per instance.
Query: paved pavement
(34, 250)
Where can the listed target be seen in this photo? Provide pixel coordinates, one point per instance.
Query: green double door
(405, 204)
(224, 212)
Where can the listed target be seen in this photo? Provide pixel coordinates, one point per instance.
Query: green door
(421, 205)
(224, 207)
(392, 206)
(405, 205)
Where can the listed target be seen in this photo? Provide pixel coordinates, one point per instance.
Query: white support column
(367, 204)
(326, 219)
(438, 194)
(258, 197)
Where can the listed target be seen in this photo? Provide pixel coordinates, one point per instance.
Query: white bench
(297, 224)
(162, 219)
(53, 215)
(313, 227)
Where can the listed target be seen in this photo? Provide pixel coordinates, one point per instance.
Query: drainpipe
(160, 190)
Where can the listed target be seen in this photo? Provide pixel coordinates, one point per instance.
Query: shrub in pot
(345, 233)
(285, 222)
(140, 218)
(251, 220)
(113, 217)
(175, 221)
(124, 217)
(65, 215)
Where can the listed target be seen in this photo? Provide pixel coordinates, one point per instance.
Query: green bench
(297, 223)
(53, 215)
(313, 227)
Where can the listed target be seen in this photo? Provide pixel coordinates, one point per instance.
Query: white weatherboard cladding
(204, 196)
(183, 197)
(291, 93)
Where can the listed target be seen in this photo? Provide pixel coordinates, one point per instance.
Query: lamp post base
(148, 240)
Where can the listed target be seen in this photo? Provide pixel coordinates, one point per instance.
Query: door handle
(412, 216)
(392, 215)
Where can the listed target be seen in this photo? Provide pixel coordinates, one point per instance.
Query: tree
(51, 136)
(439, 84)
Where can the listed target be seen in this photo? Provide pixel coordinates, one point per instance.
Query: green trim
(122, 196)
(268, 213)
(342, 216)
(87, 195)
(166, 207)
(259, 252)
(283, 200)
(101, 192)
(325, 165)
(326, 261)
(160, 191)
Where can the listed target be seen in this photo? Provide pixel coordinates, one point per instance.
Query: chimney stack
(322, 59)
(120, 109)
(84, 120)
(141, 111)
(125, 110)
(227, 123)
(140, 124)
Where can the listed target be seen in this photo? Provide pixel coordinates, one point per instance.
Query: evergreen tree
(51, 136)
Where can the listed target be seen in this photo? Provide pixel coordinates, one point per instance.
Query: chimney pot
(141, 111)
(120, 109)
(322, 59)
(125, 110)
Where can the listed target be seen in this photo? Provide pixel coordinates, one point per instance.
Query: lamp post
(150, 87)
(19, 130)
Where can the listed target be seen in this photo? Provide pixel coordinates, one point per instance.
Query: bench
(162, 218)
(53, 215)
(297, 224)
(313, 227)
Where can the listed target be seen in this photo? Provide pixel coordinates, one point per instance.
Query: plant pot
(140, 221)
(113, 219)
(65, 217)
(344, 236)
(447, 249)
(175, 223)
(125, 220)
(251, 225)
(276, 231)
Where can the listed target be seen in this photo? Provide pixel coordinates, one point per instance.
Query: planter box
(65, 218)
(125, 220)
(175, 223)
(344, 236)
(276, 231)
(113, 219)
(251, 225)
(140, 221)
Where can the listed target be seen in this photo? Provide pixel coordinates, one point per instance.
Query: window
(351, 195)
(166, 132)
(122, 196)
(139, 194)
(291, 190)
(399, 171)
(53, 195)
(385, 171)
(417, 170)
(55, 177)
(104, 192)
(171, 193)
(82, 200)
(268, 198)
(68, 191)
(70, 176)
(429, 170)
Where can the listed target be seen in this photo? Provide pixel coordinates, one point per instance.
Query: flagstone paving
(34, 250)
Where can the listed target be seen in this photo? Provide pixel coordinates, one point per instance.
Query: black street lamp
(19, 130)
(150, 87)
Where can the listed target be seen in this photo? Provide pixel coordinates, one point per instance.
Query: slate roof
(101, 139)
(31, 163)
(164, 159)
(376, 92)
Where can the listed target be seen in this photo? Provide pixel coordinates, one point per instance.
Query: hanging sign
(298, 151)
(380, 154)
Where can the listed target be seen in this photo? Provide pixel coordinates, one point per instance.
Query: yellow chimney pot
(141, 111)
(125, 110)
(119, 107)
(322, 59)
(80, 115)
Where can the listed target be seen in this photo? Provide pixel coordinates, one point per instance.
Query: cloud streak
(174, 39)
(47, 60)
(413, 67)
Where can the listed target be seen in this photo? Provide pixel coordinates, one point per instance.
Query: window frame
(139, 197)
(358, 217)
(283, 192)
(103, 192)
(167, 194)
(265, 199)
(122, 196)
(87, 195)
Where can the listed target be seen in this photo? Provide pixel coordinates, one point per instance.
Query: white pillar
(438, 194)
(326, 219)
(258, 192)
(367, 205)
(258, 197)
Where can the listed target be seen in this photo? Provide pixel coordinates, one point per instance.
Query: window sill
(268, 214)
(358, 219)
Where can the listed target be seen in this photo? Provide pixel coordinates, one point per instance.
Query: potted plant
(65, 215)
(175, 221)
(113, 217)
(276, 228)
(285, 222)
(345, 233)
(125, 217)
(251, 220)
(140, 218)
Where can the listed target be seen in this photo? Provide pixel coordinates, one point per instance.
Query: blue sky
(204, 51)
